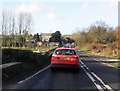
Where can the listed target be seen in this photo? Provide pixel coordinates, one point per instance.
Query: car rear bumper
(65, 66)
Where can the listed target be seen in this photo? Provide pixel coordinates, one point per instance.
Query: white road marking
(87, 68)
(108, 87)
(81, 62)
(35, 74)
(98, 78)
(8, 64)
(95, 59)
(104, 63)
(93, 80)
(5, 75)
(109, 65)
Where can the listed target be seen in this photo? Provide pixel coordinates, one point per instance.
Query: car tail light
(75, 58)
(54, 57)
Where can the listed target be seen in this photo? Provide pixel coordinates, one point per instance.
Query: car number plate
(65, 59)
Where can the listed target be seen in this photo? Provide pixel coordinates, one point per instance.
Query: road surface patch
(35, 74)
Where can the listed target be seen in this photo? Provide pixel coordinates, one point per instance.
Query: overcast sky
(65, 15)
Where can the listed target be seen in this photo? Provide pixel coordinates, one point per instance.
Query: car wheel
(53, 69)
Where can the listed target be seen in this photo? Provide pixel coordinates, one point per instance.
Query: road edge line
(35, 74)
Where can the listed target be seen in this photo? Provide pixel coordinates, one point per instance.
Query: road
(93, 75)
(8, 64)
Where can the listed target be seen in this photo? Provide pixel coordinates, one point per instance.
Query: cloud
(113, 3)
(29, 8)
(51, 16)
(0, 8)
(48, 12)
(84, 6)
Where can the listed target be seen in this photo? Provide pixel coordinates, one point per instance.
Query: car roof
(60, 48)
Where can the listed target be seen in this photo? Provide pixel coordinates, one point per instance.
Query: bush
(16, 55)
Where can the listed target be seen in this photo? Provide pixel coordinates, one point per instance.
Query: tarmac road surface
(93, 75)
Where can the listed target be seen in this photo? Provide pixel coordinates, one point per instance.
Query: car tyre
(53, 69)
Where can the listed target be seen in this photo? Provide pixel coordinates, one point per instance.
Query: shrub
(16, 55)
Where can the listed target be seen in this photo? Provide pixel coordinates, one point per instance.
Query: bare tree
(27, 26)
(13, 31)
(24, 24)
(20, 25)
(9, 29)
(4, 28)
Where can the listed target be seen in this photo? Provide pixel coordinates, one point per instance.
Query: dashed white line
(35, 74)
(93, 80)
(98, 78)
(108, 87)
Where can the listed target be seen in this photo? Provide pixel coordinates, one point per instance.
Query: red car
(65, 58)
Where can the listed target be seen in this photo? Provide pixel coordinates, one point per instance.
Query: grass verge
(116, 64)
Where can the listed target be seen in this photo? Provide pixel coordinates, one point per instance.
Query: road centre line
(35, 74)
(93, 80)
(108, 87)
(98, 78)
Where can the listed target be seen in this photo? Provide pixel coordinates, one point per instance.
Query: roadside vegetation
(99, 39)
(17, 55)
(116, 64)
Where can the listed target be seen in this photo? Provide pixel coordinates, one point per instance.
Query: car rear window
(65, 52)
